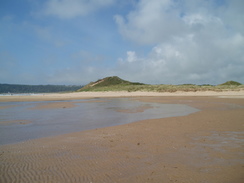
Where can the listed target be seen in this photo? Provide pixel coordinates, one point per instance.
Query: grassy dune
(117, 84)
(167, 88)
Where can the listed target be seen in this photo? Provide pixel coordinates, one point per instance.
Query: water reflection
(18, 122)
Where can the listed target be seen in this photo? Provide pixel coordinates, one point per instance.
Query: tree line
(17, 88)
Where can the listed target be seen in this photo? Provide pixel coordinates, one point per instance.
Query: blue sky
(155, 42)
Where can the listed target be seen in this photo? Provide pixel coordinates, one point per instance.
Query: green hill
(108, 84)
(231, 83)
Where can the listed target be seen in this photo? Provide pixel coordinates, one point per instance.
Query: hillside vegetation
(116, 84)
(231, 83)
(113, 83)
(14, 88)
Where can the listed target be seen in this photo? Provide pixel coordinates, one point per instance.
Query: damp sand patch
(14, 122)
(60, 105)
(137, 109)
(54, 105)
(7, 106)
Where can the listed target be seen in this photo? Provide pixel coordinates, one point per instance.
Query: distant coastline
(21, 94)
(29, 89)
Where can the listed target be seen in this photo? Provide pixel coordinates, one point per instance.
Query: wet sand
(206, 146)
(51, 118)
(20, 122)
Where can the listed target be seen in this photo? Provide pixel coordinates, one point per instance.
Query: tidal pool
(20, 121)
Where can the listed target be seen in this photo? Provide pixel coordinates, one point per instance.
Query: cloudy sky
(150, 41)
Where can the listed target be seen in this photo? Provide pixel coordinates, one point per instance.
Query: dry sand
(203, 147)
(84, 95)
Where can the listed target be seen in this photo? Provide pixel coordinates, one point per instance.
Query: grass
(167, 88)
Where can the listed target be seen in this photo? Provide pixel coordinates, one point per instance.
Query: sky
(74, 42)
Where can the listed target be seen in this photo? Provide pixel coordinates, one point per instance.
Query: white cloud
(201, 19)
(66, 9)
(151, 21)
(177, 63)
(131, 56)
(192, 42)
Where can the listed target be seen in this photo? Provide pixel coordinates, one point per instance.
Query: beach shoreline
(206, 146)
(88, 95)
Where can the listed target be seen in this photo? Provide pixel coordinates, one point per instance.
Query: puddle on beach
(85, 115)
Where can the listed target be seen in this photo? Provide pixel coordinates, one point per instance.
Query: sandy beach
(205, 146)
(84, 95)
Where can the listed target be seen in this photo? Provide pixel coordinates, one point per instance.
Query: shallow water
(86, 115)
